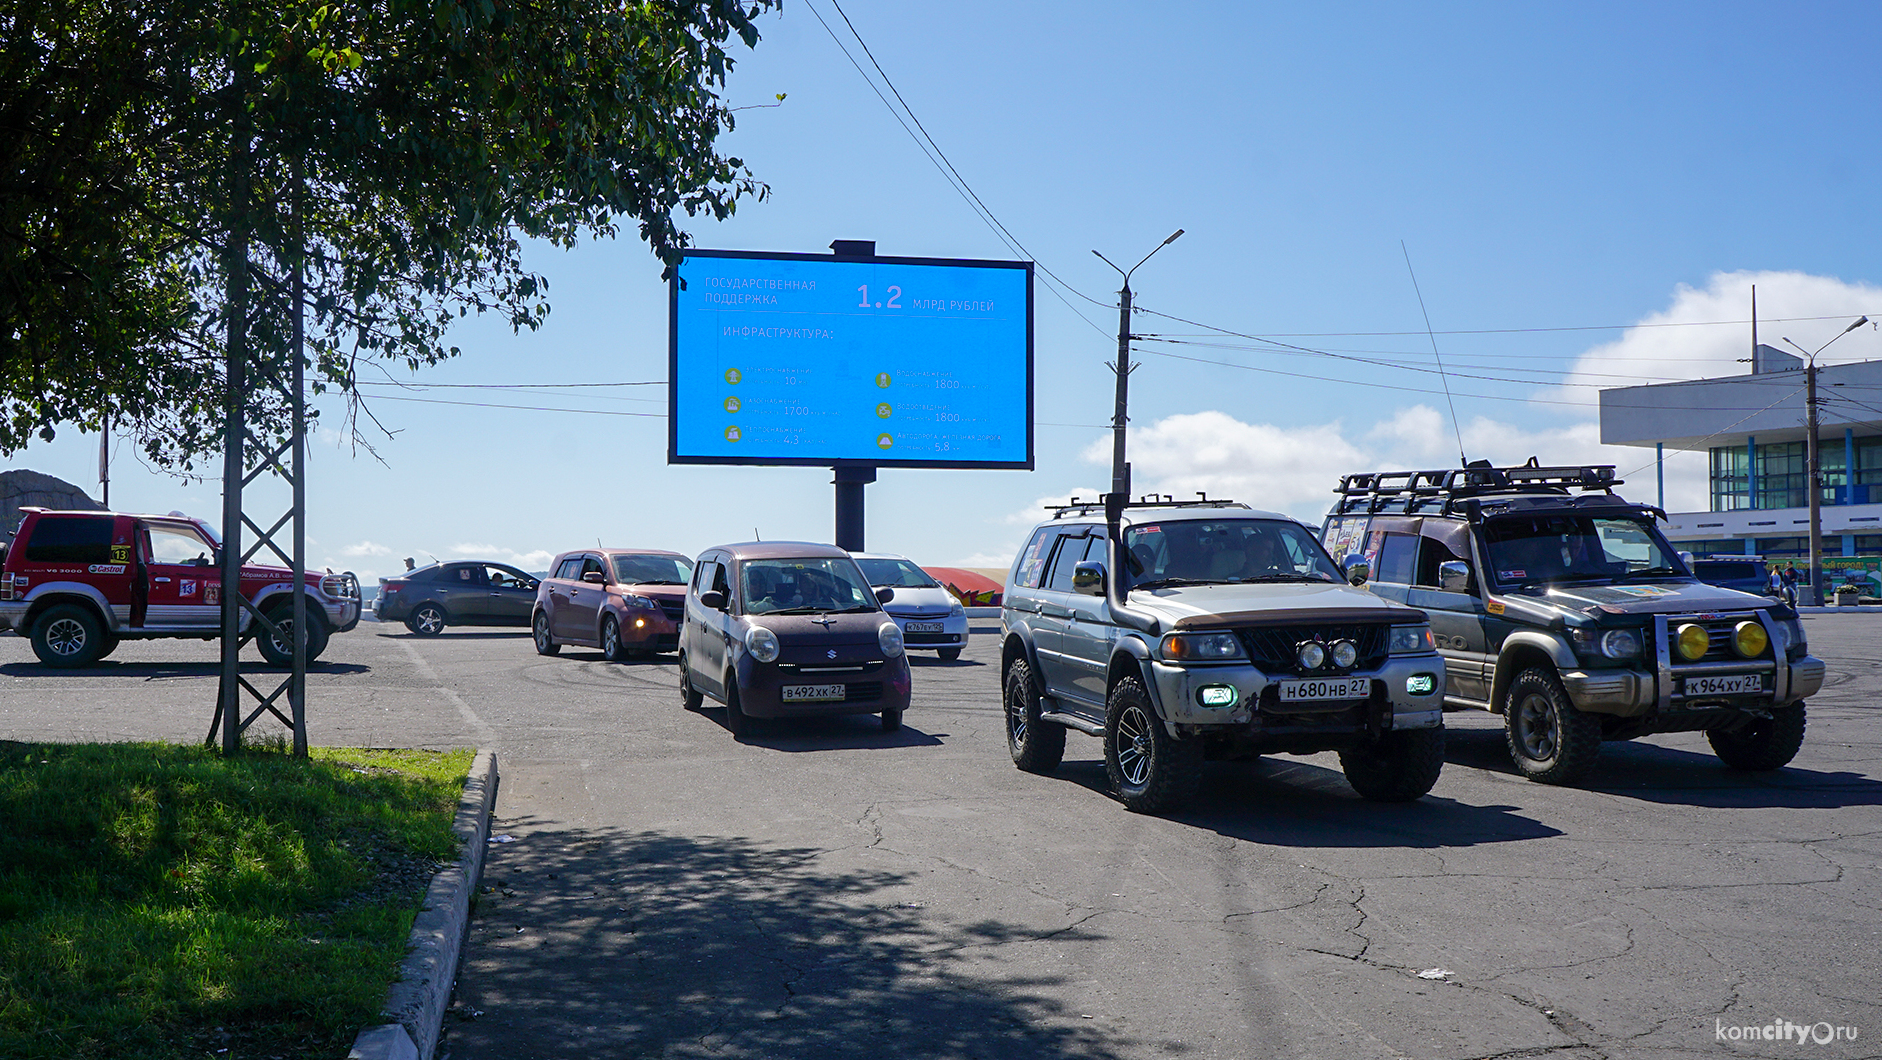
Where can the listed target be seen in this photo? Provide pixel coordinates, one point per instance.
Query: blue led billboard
(823, 360)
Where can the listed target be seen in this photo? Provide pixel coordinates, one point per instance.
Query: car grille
(674, 610)
(836, 668)
(913, 639)
(1271, 648)
(862, 691)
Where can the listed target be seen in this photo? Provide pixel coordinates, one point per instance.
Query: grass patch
(159, 901)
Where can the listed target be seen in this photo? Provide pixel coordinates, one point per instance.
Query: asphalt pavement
(658, 888)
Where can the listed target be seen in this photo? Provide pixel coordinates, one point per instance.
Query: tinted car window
(70, 541)
(652, 570)
(1398, 556)
(1070, 553)
(591, 565)
(1226, 550)
(1032, 558)
(1433, 554)
(466, 576)
(570, 569)
(896, 573)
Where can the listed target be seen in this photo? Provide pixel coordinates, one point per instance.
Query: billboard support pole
(849, 482)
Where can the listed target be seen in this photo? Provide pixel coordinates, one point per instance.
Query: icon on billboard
(733, 375)
(731, 404)
(732, 434)
(882, 380)
(884, 410)
(883, 441)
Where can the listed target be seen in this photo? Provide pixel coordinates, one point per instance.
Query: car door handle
(160, 579)
(496, 594)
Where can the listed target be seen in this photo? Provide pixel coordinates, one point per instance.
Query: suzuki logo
(831, 653)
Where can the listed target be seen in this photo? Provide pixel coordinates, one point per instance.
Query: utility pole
(1811, 449)
(1120, 416)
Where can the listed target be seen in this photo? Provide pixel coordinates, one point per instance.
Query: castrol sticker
(106, 568)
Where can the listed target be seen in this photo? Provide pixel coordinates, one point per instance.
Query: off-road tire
(949, 654)
(1549, 740)
(539, 631)
(1036, 746)
(280, 652)
(110, 645)
(689, 696)
(68, 635)
(891, 720)
(1397, 767)
(1766, 743)
(426, 620)
(1150, 771)
(611, 647)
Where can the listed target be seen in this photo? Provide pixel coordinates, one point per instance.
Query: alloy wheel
(1535, 726)
(66, 637)
(1133, 746)
(430, 621)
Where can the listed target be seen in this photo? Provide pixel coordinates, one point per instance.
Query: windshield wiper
(1158, 583)
(1295, 577)
(1648, 572)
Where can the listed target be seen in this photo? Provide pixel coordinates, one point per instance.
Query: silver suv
(1229, 633)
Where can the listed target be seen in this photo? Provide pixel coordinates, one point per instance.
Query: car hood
(932, 601)
(855, 628)
(1192, 606)
(1644, 598)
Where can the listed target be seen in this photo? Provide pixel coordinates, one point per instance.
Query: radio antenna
(1462, 460)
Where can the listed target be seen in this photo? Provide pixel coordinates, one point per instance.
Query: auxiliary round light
(1749, 639)
(1311, 656)
(1345, 653)
(1692, 641)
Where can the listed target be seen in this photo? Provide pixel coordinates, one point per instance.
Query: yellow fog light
(1692, 641)
(1749, 639)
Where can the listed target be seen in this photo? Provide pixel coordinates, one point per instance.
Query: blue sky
(1546, 166)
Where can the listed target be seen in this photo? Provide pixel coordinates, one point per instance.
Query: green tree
(164, 166)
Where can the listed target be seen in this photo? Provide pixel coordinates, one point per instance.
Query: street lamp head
(1860, 321)
(1179, 232)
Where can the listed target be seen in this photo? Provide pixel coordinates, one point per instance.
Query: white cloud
(1652, 351)
(366, 548)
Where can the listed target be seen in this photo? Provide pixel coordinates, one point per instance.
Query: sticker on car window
(1512, 574)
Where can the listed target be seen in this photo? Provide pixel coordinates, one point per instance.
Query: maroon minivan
(625, 601)
(787, 629)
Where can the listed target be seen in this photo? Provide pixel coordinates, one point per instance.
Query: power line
(1515, 331)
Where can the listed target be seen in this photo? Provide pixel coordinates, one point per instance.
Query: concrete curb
(1832, 609)
(418, 998)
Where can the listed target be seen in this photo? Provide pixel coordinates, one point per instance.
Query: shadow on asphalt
(521, 632)
(1284, 801)
(153, 671)
(604, 942)
(1633, 769)
(843, 732)
(924, 661)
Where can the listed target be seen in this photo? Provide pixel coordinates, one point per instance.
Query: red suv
(625, 601)
(77, 583)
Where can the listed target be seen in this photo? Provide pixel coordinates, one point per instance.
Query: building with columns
(1752, 429)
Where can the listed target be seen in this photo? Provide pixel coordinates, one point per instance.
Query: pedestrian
(1775, 586)
(1790, 584)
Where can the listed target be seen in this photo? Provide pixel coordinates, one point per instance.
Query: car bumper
(649, 631)
(872, 691)
(12, 613)
(1635, 693)
(932, 632)
(1179, 688)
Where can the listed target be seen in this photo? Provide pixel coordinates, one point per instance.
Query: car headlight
(762, 644)
(1412, 640)
(955, 610)
(1344, 654)
(1794, 636)
(1201, 647)
(889, 639)
(645, 604)
(1620, 644)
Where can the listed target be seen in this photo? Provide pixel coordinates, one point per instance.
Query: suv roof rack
(1148, 500)
(1441, 490)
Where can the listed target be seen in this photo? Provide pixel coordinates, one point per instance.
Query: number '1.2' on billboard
(820, 360)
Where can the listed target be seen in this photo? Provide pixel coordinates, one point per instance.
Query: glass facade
(1779, 476)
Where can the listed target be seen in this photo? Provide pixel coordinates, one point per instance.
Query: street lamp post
(1812, 458)
(1120, 468)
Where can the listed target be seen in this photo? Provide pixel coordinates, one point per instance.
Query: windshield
(779, 586)
(652, 570)
(1540, 549)
(897, 573)
(1196, 551)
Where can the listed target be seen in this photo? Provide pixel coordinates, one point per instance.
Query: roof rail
(1440, 490)
(1149, 500)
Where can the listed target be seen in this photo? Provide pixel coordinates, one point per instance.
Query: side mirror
(884, 595)
(1686, 558)
(1454, 576)
(1088, 578)
(712, 598)
(595, 577)
(1357, 569)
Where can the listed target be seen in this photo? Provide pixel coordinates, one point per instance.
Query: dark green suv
(1559, 605)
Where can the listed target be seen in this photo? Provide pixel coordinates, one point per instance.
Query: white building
(1752, 428)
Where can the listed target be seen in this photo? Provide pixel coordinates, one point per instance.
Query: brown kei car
(625, 601)
(786, 629)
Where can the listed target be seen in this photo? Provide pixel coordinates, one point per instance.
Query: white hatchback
(930, 617)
